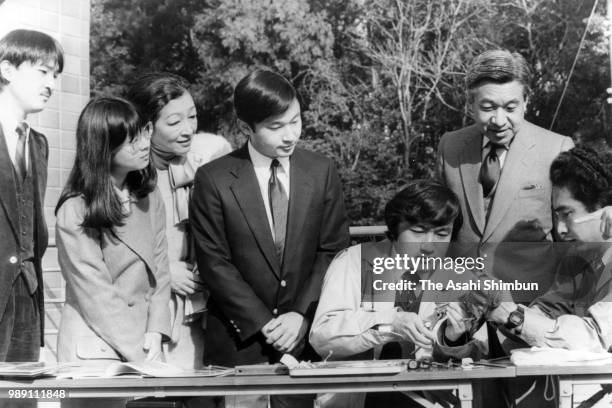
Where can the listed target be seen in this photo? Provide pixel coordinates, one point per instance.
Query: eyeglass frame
(144, 134)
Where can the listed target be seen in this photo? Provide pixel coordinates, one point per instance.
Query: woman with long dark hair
(111, 242)
(177, 151)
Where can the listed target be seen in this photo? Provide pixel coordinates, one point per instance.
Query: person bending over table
(111, 245)
(576, 313)
(354, 321)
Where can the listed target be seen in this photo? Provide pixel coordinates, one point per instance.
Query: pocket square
(532, 187)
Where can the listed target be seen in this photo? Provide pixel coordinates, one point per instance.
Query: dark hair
(587, 174)
(104, 125)
(500, 67)
(262, 94)
(423, 202)
(152, 91)
(20, 46)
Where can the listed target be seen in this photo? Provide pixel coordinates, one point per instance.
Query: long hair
(104, 125)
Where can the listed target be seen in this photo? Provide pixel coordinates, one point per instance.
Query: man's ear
(7, 70)
(244, 128)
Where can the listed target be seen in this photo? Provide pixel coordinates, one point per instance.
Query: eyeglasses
(142, 138)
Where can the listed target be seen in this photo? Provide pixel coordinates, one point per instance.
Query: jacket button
(237, 330)
(102, 349)
(275, 311)
(13, 260)
(130, 304)
(283, 283)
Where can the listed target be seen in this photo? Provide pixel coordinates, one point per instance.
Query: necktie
(20, 158)
(278, 207)
(405, 299)
(490, 170)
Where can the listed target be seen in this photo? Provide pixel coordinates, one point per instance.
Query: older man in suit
(499, 169)
(267, 220)
(30, 62)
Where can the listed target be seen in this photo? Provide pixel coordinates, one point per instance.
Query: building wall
(68, 22)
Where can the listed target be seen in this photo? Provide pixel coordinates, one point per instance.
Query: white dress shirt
(261, 164)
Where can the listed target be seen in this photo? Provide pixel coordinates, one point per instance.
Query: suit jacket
(236, 256)
(521, 208)
(9, 225)
(117, 282)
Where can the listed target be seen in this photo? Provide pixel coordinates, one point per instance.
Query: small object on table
(412, 364)
(425, 363)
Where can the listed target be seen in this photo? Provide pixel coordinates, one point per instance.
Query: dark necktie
(490, 170)
(20, 157)
(405, 299)
(278, 207)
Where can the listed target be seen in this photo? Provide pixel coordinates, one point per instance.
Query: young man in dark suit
(30, 62)
(267, 219)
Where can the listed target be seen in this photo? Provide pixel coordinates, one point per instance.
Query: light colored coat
(523, 194)
(117, 282)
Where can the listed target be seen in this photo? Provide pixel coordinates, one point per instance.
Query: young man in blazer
(498, 167)
(267, 220)
(30, 62)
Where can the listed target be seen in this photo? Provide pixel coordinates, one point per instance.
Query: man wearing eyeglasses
(576, 313)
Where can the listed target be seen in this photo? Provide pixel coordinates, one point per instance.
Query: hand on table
(286, 331)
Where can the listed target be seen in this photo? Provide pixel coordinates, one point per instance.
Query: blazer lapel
(38, 164)
(8, 198)
(300, 195)
(470, 168)
(248, 196)
(136, 226)
(508, 185)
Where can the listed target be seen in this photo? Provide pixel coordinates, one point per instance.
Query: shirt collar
(259, 160)
(486, 143)
(9, 124)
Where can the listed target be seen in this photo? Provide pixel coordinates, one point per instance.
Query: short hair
(499, 67)
(152, 91)
(103, 126)
(262, 94)
(423, 202)
(587, 175)
(20, 46)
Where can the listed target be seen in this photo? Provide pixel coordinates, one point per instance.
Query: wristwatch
(515, 318)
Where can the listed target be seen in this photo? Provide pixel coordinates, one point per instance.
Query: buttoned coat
(117, 282)
(236, 255)
(521, 203)
(9, 223)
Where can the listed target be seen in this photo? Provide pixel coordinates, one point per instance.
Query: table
(414, 380)
(571, 376)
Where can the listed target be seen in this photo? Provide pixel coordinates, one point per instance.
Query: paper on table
(142, 369)
(536, 356)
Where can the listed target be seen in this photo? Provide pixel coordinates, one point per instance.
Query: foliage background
(380, 80)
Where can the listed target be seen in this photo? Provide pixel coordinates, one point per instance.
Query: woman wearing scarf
(177, 151)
